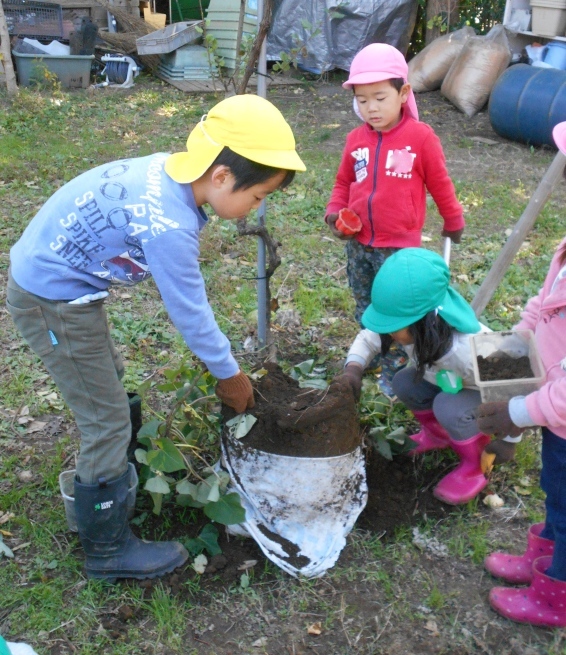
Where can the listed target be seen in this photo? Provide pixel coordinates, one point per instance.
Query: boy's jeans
(73, 341)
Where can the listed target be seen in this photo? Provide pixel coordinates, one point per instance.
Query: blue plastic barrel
(527, 102)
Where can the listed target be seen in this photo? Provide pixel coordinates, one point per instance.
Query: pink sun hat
(377, 62)
(559, 136)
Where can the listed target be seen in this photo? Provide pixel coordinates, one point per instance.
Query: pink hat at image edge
(559, 136)
(377, 62)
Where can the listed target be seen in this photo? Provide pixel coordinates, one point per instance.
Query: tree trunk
(441, 15)
(263, 28)
(6, 55)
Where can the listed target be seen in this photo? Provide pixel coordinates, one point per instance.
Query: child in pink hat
(388, 165)
(542, 566)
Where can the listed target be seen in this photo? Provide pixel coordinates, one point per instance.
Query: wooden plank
(520, 231)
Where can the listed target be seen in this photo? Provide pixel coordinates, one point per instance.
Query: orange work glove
(236, 392)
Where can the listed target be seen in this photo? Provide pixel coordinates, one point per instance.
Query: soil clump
(501, 366)
(301, 422)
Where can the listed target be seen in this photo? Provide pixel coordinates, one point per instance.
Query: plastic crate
(73, 71)
(485, 344)
(169, 38)
(37, 20)
(549, 18)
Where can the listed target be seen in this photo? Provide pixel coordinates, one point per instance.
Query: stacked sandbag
(473, 74)
(429, 67)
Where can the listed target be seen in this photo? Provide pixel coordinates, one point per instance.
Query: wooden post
(520, 231)
(6, 55)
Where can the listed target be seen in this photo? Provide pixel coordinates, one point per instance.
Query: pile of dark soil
(501, 366)
(400, 491)
(301, 422)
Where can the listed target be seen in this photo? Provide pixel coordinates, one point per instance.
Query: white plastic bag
(298, 509)
(473, 74)
(428, 68)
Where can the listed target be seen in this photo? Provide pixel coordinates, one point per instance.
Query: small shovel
(487, 459)
(446, 250)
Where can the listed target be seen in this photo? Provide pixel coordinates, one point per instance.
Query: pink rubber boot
(543, 603)
(519, 568)
(432, 435)
(466, 480)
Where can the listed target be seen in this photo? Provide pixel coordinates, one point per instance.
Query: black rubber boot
(136, 421)
(112, 550)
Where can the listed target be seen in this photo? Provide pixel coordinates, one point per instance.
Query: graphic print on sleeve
(361, 155)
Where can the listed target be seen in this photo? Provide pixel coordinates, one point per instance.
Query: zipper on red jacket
(370, 197)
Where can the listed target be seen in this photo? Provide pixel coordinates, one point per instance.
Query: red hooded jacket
(384, 177)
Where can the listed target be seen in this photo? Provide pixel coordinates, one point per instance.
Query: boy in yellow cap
(119, 224)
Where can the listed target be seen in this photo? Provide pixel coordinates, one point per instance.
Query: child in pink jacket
(543, 565)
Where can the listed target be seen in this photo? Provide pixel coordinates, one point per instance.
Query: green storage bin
(73, 71)
(182, 10)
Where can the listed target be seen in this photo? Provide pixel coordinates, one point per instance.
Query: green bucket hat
(409, 285)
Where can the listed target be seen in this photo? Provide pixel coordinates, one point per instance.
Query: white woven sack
(428, 68)
(299, 510)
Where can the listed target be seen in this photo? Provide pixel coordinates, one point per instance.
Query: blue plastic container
(527, 102)
(555, 54)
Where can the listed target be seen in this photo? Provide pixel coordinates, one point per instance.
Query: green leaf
(305, 367)
(240, 425)
(157, 502)
(214, 493)
(206, 540)
(228, 510)
(187, 488)
(4, 550)
(141, 455)
(150, 429)
(398, 435)
(204, 487)
(157, 485)
(167, 458)
(188, 501)
(384, 449)
(313, 384)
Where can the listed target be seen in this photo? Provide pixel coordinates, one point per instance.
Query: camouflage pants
(362, 266)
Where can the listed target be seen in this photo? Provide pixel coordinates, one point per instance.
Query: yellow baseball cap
(247, 124)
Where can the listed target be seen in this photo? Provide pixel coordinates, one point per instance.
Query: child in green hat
(413, 304)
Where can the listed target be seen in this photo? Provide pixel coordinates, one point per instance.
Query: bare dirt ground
(390, 592)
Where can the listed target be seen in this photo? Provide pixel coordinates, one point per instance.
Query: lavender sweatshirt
(119, 224)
